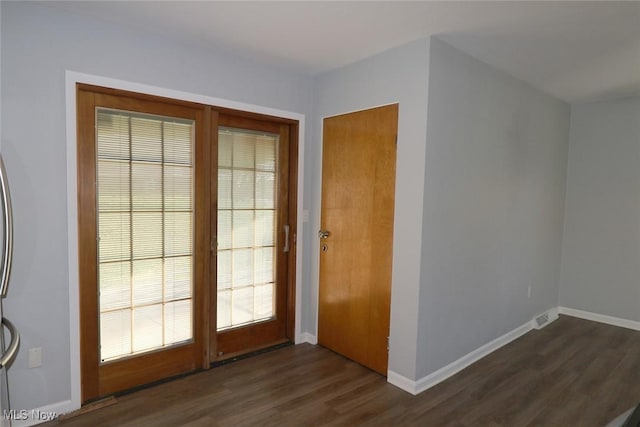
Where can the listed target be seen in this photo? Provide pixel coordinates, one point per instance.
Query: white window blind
(145, 228)
(246, 227)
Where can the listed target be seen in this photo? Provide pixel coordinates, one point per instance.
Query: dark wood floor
(571, 373)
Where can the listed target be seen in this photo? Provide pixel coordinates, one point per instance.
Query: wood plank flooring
(572, 373)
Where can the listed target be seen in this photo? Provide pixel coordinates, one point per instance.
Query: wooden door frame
(73, 78)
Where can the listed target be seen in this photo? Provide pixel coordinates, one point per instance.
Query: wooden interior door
(358, 189)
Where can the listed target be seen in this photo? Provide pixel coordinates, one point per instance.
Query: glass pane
(115, 334)
(178, 187)
(177, 321)
(147, 327)
(242, 305)
(265, 190)
(115, 285)
(113, 186)
(224, 269)
(265, 228)
(147, 281)
(224, 230)
(112, 135)
(242, 267)
(177, 278)
(264, 267)
(266, 153)
(263, 300)
(177, 233)
(243, 151)
(114, 231)
(146, 186)
(224, 309)
(147, 234)
(225, 149)
(224, 189)
(243, 186)
(243, 229)
(180, 148)
(146, 139)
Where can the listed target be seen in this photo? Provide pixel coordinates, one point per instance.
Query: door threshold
(234, 357)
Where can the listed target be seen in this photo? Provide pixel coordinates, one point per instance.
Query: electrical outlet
(529, 291)
(35, 357)
(305, 215)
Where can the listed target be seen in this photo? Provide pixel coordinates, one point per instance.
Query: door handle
(324, 234)
(286, 238)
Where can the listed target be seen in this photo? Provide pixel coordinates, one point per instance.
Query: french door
(185, 240)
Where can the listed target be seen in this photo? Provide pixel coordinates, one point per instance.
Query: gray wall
(493, 206)
(398, 75)
(38, 44)
(601, 248)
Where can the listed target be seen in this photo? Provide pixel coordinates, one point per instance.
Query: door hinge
(387, 343)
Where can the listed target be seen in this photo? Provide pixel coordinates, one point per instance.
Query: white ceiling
(576, 51)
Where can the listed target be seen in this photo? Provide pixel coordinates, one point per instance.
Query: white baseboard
(458, 365)
(416, 387)
(401, 382)
(602, 318)
(307, 337)
(40, 415)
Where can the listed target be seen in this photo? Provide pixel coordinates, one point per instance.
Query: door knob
(323, 234)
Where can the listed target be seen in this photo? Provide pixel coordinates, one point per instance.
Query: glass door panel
(246, 227)
(145, 229)
(252, 216)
